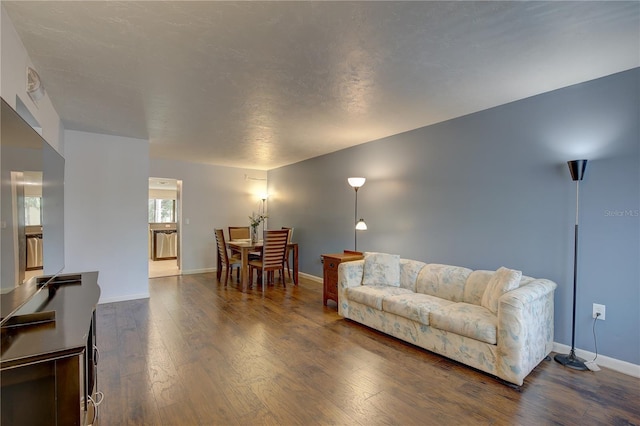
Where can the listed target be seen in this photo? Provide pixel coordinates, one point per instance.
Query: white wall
(106, 190)
(13, 65)
(212, 197)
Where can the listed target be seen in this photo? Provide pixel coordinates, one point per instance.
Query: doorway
(164, 227)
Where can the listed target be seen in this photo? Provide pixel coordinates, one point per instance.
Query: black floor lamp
(577, 168)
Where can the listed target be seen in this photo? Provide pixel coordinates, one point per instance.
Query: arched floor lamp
(577, 168)
(356, 183)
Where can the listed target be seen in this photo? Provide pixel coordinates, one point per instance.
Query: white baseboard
(620, 366)
(311, 277)
(623, 367)
(198, 271)
(206, 270)
(123, 298)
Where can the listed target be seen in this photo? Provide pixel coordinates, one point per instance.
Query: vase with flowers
(254, 221)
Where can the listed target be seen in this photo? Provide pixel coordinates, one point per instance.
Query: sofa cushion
(502, 281)
(475, 286)
(443, 281)
(414, 306)
(373, 295)
(381, 269)
(473, 321)
(409, 270)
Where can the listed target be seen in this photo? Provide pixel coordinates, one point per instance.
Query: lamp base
(571, 361)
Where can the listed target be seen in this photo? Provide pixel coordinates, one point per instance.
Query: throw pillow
(502, 281)
(381, 269)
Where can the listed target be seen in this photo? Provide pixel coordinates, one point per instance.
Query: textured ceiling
(265, 84)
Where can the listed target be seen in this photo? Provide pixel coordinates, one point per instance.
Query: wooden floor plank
(208, 399)
(201, 353)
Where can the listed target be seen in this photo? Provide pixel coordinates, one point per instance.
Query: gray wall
(493, 189)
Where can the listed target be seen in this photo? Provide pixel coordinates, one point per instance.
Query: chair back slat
(239, 232)
(274, 248)
(290, 233)
(222, 246)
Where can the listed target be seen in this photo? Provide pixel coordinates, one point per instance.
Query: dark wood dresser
(48, 361)
(330, 272)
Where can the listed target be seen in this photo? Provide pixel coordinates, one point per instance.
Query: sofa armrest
(349, 275)
(525, 328)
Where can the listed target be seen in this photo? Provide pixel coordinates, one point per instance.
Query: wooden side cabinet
(330, 272)
(48, 362)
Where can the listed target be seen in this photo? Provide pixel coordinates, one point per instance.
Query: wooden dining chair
(226, 261)
(273, 250)
(287, 255)
(238, 233)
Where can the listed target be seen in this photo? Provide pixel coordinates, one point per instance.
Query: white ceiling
(265, 84)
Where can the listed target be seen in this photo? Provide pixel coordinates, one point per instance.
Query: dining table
(245, 247)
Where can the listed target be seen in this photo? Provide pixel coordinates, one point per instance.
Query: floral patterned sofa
(499, 322)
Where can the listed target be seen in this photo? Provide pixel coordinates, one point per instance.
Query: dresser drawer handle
(332, 265)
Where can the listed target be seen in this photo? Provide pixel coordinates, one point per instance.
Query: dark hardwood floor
(200, 353)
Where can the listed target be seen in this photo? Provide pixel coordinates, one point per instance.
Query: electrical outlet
(599, 309)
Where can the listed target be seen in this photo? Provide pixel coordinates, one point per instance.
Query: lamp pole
(356, 183)
(264, 198)
(355, 222)
(577, 168)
